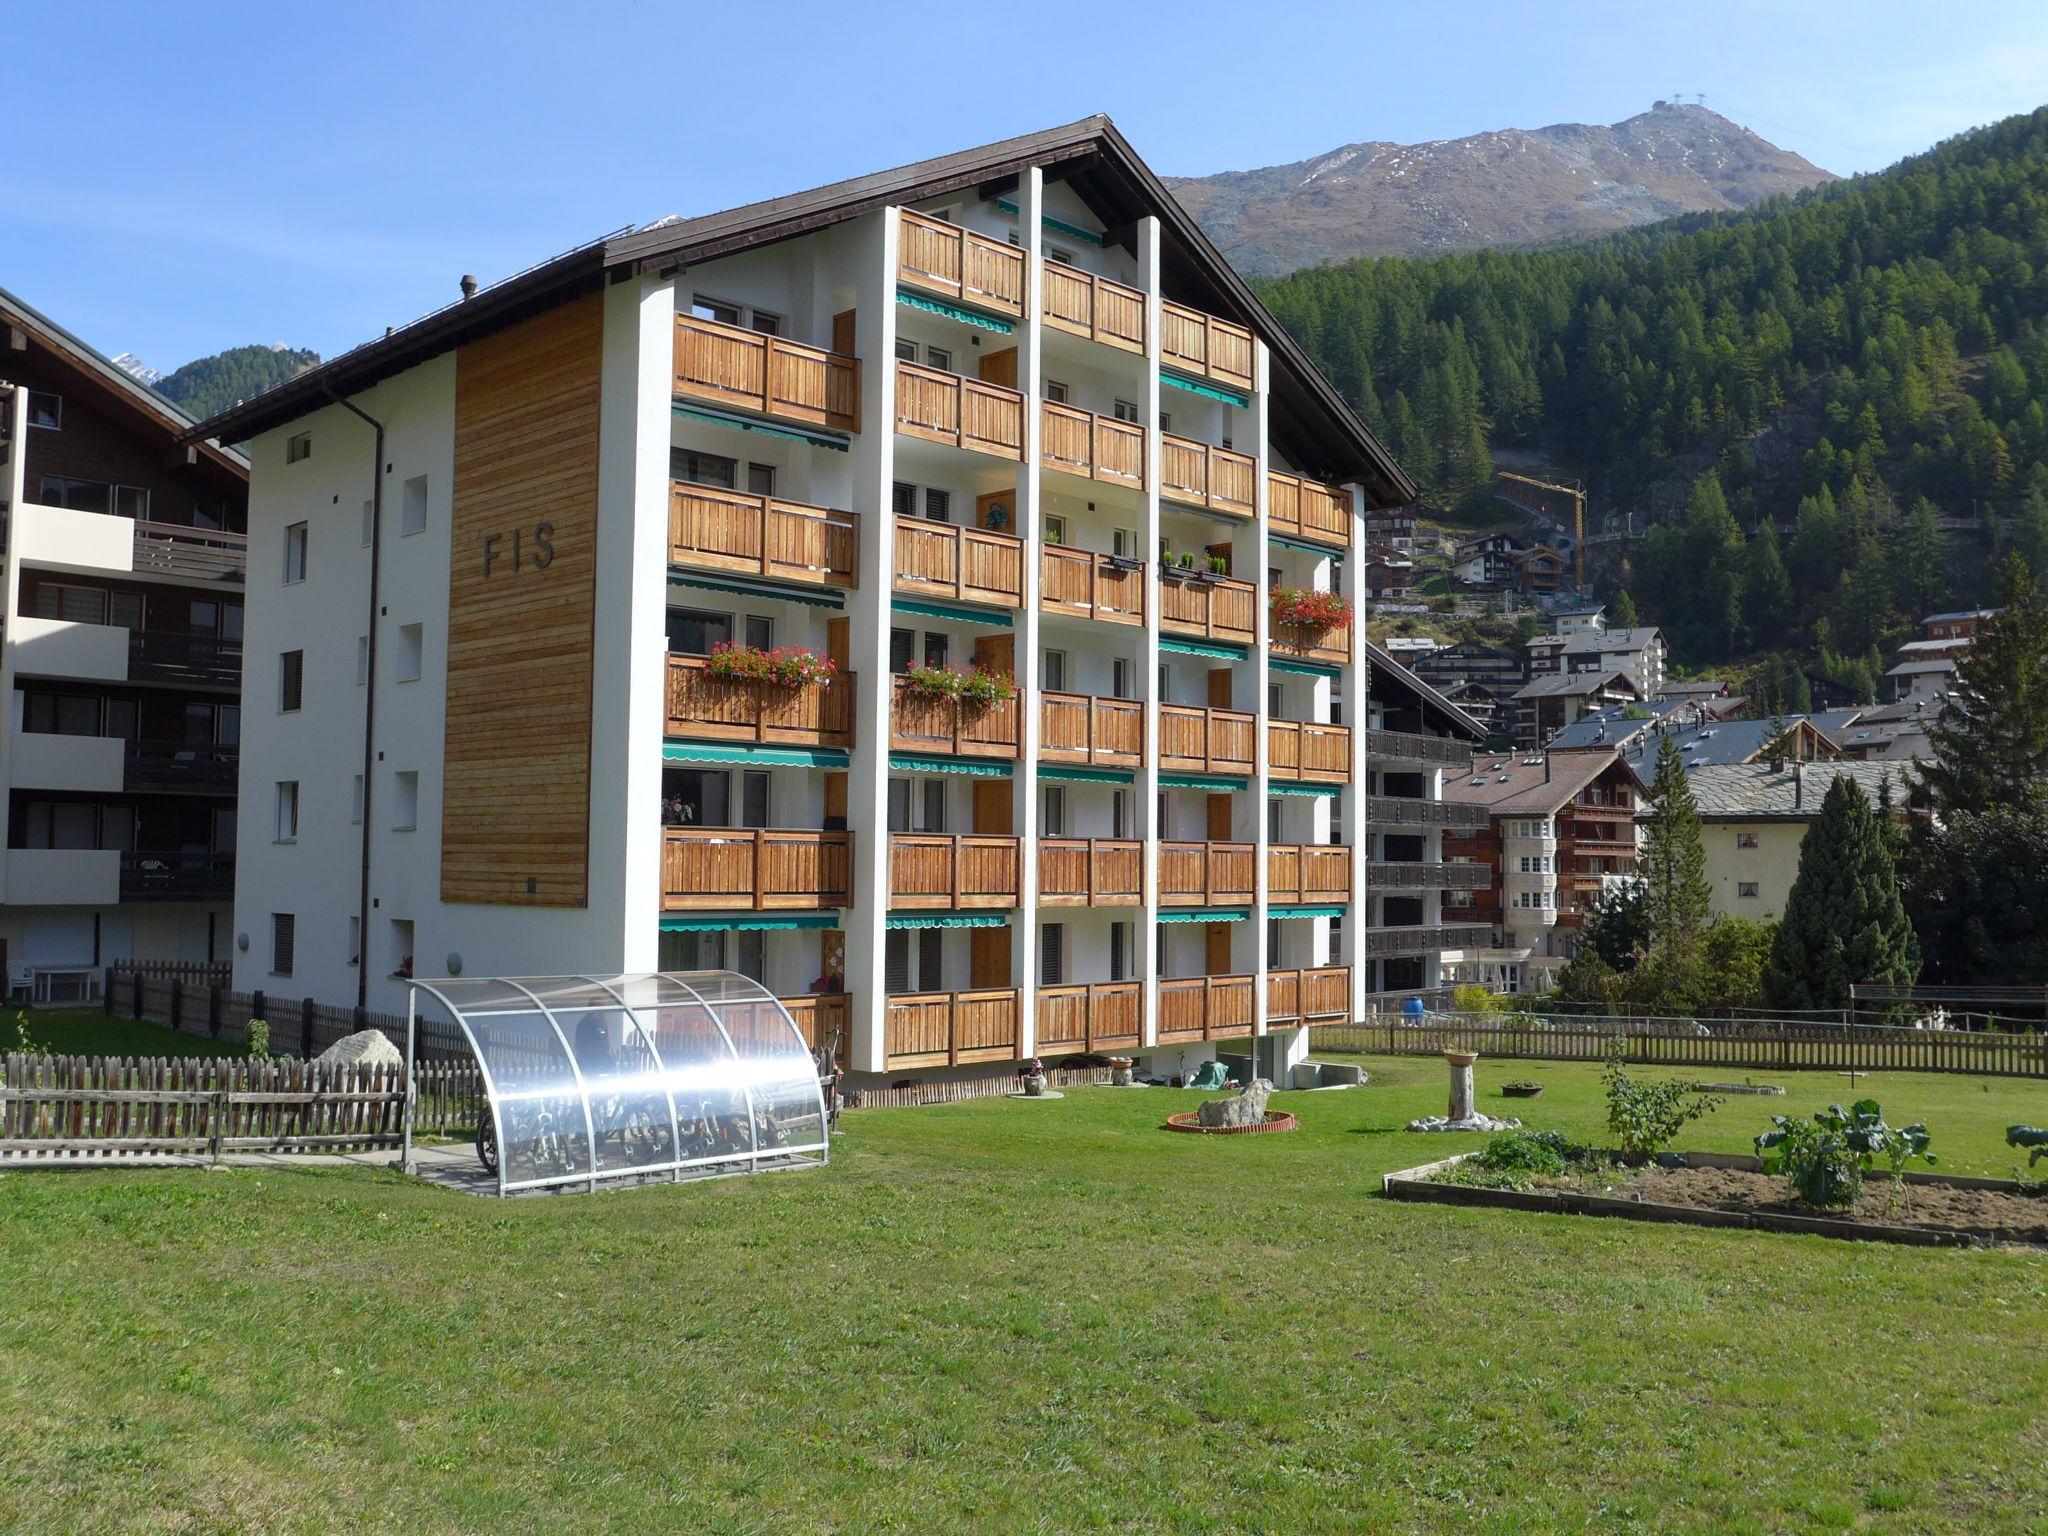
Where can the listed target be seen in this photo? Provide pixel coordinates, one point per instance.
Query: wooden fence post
(213, 1011)
(177, 997)
(306, 1029)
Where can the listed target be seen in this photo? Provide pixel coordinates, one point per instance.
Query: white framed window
(902, 646)
(287, 811)
(716, 310)
(298, 447)
(1054, 678)
(291, 681)
(412, 645)
(1166, 421)
(1055, 528)
(940, 358)
(1056, 253)
(1120, 675)
(1120, 814)
(295, 553)
(1055, 391)
(761, 479)
(405, 800)
(1052, 818)
(1123, 543)
(694, 468)
(413, 507)
(283, 936)
(1128, 410)
(1745, 840)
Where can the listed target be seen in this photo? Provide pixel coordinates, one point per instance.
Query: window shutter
(928, 942)
(938, 505)
(1052, 954)
(1119, 951)
(283, 935)
(934, 807)
(901, 643)
(903, 499)
(896, 962)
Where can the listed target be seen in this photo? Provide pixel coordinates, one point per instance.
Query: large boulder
(1247, 1107)
(364, 1048)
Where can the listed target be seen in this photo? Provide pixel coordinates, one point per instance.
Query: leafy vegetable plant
(1826, 1159)
(1644, 1117)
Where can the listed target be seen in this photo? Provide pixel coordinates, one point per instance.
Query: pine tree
(1767, 589)
(1673, 861)
(1622, 611)
(1991, 747)
(1844, 922)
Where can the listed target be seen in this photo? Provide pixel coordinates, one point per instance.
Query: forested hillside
(1851, 366)
(214, 383)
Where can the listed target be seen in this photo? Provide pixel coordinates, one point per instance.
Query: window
(903, 499)
(1053, 817)
(131, 501)
(1127, 410)
(295, 553)
(45, 410)
(1746, 889)
(75, 605)
(1054, 253)
(291, 681)
(917, 805)
(754, 800)
(77, 495)
(761, 479)
(1055, 529)
(696, 468)
(288, 810)
(694, 632)
(896, 961)
(1275, 694)
(937, 647)
(938, 505)
(1273, 946)
(760, 632)
(413, 512)
(1273, 819)
(355, 814)
(362, 659)
(753, 955)
(1123, 543)
(298, 447)
(1120, 951)
(906, 350)
(1337, 940)
(939, 358)
(1120, 678)
(902, 642)
(1054, 678)
(912, 967)
(1745, 839)
(412, 644)
(405, 800)
(716, 310)
(1120, 813)
(1055, 391)
(1166, 421)
(283, 930)
(1052, 954)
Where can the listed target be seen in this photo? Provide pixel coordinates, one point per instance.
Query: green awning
(1305, 668)
(1075, 230)
(1304, 789)
(1215, 781)
(1086, 775)
(741, 588)
(947, 920)
(817, 438)
(972, 317)
(988, 617)
(1211, 391)
(972, 767)
(1205, 915)
(1320, 551)
(1203, 648)
(1333, 910)
(780, 921)
(751, 756)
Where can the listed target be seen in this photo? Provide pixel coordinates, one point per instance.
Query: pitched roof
(1380, 662)
(1570, 685)
(1716, 743)
(1614, 726)
(1921, 668)
(1528, 783)
(1758, 792)
(1703, 688)
(1607, 642)
(1961, 613)
(1092, 154)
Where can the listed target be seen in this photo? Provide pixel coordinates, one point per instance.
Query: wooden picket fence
(1718, 1044)
(91, 1109)
(299, 1026)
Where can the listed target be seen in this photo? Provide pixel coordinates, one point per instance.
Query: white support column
(1146, 946)
(15, 490)
(1262, 617)
(1356, 683)
(867, 802)
(1030, 654)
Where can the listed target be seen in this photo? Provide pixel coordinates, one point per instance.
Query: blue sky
(314, 173)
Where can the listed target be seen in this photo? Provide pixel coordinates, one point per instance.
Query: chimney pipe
(468, 286)
(1798, 784)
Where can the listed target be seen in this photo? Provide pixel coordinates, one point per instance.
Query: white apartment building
(1006, 414)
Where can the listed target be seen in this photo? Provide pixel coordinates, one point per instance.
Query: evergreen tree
(1844, 921)
(1977, 887)
(1767, 589)
(1622, 611)
(1991, 747)
(1673, 859)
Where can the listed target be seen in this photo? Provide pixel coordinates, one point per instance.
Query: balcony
(1414, 747)
(951, 1029)
(966, 413)
(722, 530)
(190, 554)
(177, 876)
(821, 1017)
(1405, 811)
(935, 871)
(1383, 876)
(1090, 872)
(1305, 752)
(707, 708)
(972, 565)
(1083, 304)
(742, 869)
(1196, 740)
(1529, 917)
(1079, 442)
(1203, 475)
(1215, 609)
(1307, 509)
(83, 764)
(1100, 1016)
(62, 648)
(1100, 733)
(1205, 1008)
(960, 265)
(1313, 995)
(728, 365)
(197, 661)
(1107, 588)
(1331, 646)
(1297, 874)
(65, 877)
(180, 767)
(1206, 874)
(1385, 943)
(922, 722)
(1207, 347)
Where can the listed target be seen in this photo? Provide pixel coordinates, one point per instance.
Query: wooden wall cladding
(522, 589)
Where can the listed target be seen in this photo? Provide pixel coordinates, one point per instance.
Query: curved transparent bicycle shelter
(609, 1077)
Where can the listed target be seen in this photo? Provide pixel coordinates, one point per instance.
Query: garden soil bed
(1987, 1213)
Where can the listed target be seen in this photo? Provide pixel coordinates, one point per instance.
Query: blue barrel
(1412, 1008)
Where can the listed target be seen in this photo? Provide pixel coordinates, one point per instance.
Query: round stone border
(1276, 1120)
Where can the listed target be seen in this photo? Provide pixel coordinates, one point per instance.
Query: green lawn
(1009, 1317)
(88, 1032)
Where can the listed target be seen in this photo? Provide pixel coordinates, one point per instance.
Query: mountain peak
(1508, 186)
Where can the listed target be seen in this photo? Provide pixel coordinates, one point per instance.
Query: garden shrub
(1644, 1117)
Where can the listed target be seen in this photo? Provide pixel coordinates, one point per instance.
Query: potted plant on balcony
(1219, 565)
(985, 690)
(933, 682)
(788, 666)
(1315, 612)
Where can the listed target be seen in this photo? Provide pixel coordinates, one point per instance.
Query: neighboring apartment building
(1549, 704)
(1638, 651)
(1471, 670)
(1394, 527)
(942, 417)
(120, 665)
(1926, 668)
(1486, 564)
(1561, 835)
(1754, 816)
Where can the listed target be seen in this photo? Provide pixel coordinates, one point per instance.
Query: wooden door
(835, 801)
(1220, 688)
(988, 958)
(1216, 956)
(996, 510)
(992, 801)
(842, 334)
(832, 961)
(999, 367)
(1219, 818)
(996, 653)
(839, 642)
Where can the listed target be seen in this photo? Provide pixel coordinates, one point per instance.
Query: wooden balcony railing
(1404, 811)
(1327, 645)
(1313, 995)
(1091, 586)
(1203, 475)
(1197, 740)
(1080, 728)
(954, 873)
(1416, 747)
(1090, 872)
(1297, 873)
(1204, 1008)
(724, 530)
(918, 722)
(710, 709)
(1381, 875)
(970, 268)
(967, 413)
(729, 365)
(975, 565)
(823, 1016)
(1094, 447)
(742, 869)
(1100, 1016)
(173, 549)
(1307, 509)
(1221, 609)
(1084, 304)
(950, 1029)
(1381, 943)
(1202, 344)
(1205, 874)
(1303, 751)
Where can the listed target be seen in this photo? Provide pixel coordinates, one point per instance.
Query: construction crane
(1577, 491)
